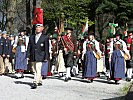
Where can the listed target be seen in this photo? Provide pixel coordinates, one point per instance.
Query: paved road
(56, 89)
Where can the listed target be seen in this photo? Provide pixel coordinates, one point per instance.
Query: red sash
(68, 43)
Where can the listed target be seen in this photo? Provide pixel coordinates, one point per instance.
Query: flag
(38, 16)
(112, 29)
(85, 29)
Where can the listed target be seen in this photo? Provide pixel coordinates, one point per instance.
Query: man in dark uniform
(38, 49)
(6, 53)
(70, 49)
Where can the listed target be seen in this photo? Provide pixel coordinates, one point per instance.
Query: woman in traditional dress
(90, 48)
(117, 51)
(21, 43)
(60, 58)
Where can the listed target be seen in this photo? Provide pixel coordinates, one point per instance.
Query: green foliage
(105, 7)
(75, 11)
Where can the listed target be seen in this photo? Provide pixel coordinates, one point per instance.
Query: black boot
(39, 84)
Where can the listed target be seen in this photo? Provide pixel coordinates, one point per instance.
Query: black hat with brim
(91, 33)
(118, 35)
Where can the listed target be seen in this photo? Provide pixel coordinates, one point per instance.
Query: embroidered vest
(22, 41)
(118, 46)
(90, 46)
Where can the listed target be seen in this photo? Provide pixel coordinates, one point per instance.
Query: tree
(73, 11)
(114, 11)
(3, 7)
(11, 11)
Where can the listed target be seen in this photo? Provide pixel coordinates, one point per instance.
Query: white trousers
(37, 66)
(68, 72)
(129, 72)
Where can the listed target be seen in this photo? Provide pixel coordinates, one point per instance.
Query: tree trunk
(28, 16)
(102, 23)
(11, 11)
(38, 3)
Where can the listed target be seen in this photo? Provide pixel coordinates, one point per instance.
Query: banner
(38, 16)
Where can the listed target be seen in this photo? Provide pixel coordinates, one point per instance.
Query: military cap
(39, 25)
(4, 32)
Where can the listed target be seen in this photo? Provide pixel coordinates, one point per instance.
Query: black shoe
(22, 76)
(33, 86)
(44, 77)
(72, 75)
(59, 76)
(69, 78)
(108, 79)
(98, 75)
(91, 80)
(116, 82)
(66, 79)
(128, 79)
(17, 77)
(39, 84)
(5, 74)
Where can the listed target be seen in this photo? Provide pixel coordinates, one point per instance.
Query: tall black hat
(69, 28)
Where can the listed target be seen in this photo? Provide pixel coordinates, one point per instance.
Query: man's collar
(39, 33)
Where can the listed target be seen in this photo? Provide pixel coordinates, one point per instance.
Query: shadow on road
(87, 81)
(129, 96)
(55, 77)
(25, 83)
(82, 80)
(32, 77)
(11, 75)
(105, 81)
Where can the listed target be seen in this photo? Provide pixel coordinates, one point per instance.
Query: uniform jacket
(5, 46)
(38, 51)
